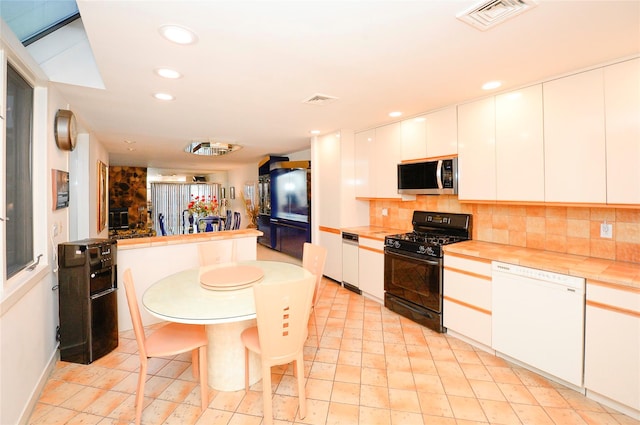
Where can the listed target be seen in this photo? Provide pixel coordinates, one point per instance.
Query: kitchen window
(19, 191)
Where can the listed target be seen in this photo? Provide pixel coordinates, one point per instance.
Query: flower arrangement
(203, 206)
(252, 210)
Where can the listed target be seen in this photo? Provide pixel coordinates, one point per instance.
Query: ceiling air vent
(491, 13)
(320, 99)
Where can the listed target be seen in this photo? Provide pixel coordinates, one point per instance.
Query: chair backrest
(134, 310)
(282, 313)
(313, 259)
(227, 222)
(161, 221)
(216, 252)
(236, 220)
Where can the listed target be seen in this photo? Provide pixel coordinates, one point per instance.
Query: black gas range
(413, 267)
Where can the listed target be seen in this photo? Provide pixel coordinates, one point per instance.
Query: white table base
(226, 356)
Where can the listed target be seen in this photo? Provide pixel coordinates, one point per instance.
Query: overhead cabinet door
(520, 145)
(574, 142)
(476, 150)
(622, 106)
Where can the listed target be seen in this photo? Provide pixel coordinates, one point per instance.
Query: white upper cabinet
(377, 154)
(365, 141)
(622, 106)
(431, 135)
(414, 138)
(574, 139)
(386, 158)
(442, 132)
(476, 150)
(520, 145)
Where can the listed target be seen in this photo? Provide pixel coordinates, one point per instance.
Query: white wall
(29, 305)
(29, 311)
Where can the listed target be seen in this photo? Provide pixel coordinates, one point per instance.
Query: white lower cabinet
(612, 346)
(371, 267)
(467, 297)
(331, 239)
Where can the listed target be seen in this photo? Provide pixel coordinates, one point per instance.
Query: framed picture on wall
(60, 185)
(103, 199)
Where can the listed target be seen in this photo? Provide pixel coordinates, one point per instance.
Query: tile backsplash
(571, 230)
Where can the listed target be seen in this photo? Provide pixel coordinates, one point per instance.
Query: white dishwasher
(350, 254)
(538, 319)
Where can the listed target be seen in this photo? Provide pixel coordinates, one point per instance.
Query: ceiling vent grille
(320, 100)
(491, 13)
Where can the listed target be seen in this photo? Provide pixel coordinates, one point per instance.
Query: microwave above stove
(437, 177)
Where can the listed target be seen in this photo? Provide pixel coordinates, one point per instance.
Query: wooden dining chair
(169, 340)
(217, 252)
(313, 259)
(282, 312)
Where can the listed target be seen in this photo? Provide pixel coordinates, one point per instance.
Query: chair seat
(250, 339)
(175, 338)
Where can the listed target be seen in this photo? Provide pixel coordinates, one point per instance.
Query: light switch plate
(606, 230)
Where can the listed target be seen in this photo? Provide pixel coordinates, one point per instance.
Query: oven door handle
(408, 257)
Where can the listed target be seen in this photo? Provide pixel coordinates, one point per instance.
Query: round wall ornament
(65, 131)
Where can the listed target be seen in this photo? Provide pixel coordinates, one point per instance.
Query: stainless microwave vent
(491, 13)
(320, 99)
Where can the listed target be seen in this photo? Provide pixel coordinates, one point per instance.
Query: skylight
(31, 20)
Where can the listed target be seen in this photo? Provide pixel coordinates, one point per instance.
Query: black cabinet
(88, 305)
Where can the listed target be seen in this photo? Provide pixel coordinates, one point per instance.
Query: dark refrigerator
(87, 297)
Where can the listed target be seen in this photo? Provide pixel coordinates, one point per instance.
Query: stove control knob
(397, 244)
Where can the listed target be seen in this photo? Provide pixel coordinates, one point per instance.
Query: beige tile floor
(372, 367)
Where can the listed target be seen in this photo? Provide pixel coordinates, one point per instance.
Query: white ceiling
(256, 61)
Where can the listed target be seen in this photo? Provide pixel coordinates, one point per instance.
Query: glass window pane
(19, 198)
(29, 20)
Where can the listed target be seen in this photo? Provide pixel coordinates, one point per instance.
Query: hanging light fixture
(210, 148)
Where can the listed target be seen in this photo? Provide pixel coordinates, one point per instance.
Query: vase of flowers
(203, 206)
(252, 210)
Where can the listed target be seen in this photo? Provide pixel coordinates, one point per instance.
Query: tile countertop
(616, 272)
(373, 232)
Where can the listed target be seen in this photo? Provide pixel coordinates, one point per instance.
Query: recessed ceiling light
(315, 132)
(178, 34)
(163, 96)
(131, 149)
(129, 142)
(168, 73)
(395, 114)
(491, 85)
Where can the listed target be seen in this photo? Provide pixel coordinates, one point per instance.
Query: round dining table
(203, 296)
